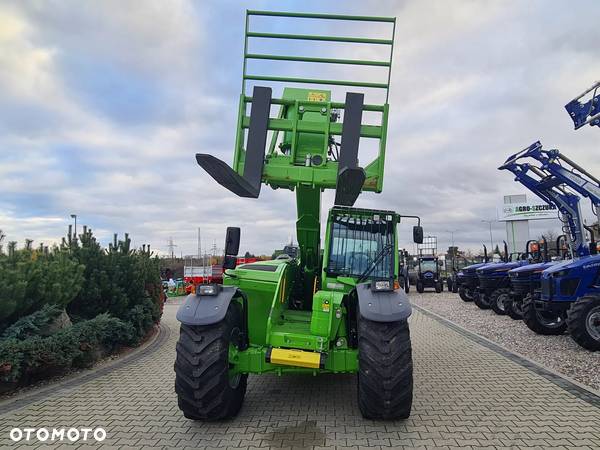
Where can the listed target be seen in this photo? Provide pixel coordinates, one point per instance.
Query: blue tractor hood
(500, 268)
(537, 267)
(473, 267)
(585, 263)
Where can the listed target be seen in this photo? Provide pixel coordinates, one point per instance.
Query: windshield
(356, 242)
(428, 266)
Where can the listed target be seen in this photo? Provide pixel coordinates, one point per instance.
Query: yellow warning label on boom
(317, 97)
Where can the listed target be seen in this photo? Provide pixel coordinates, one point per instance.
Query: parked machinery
(525, 284)
(342, 312)
(570, 290)
(494, 284)
(428, 274)
(467, 281)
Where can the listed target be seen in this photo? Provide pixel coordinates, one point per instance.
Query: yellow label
(317, 97)
(325, 307)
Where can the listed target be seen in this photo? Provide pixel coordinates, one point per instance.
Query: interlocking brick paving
(466, 395)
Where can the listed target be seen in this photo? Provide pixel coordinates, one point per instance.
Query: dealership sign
(526, 211)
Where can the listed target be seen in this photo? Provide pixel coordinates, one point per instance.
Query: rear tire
(385, 375)
(514, 308)
(463, 293)
(541, 322)
(454, 287)
(583, 320)
(420, 287)
(481, 301)
(499, 299)
(205, 388)
(439, 286)
(449, 284)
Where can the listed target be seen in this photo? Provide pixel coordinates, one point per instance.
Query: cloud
(104, 105)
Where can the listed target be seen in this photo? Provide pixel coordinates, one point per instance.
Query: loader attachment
(249, 184)
(350, 177)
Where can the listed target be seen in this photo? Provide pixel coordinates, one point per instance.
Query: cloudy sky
(104, 104)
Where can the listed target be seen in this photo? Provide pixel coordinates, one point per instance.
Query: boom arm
(558, 181)
(584, 112)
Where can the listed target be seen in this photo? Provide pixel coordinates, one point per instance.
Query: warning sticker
(317, 97)
(325, 306)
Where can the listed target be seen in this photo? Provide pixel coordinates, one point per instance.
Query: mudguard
(205, 309)
(392, 306)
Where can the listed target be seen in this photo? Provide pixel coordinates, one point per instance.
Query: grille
(569, 287)
(521, 286)
(546, 285)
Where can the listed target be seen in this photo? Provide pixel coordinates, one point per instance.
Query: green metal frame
(288, 171)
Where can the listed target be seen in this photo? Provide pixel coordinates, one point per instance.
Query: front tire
(481, 301)
(439, 286)
(385, 375)
(514, 308)
(583, 321)
(420, 287)
(542, 322)
(206, 387)
(463, 293)
(499, 299)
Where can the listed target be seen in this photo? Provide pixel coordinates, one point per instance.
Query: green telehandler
(337, 306)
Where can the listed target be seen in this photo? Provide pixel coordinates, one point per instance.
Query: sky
(104, 104)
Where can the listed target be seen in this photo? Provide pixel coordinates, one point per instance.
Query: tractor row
(550, 294)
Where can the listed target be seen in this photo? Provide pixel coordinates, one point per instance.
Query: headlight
(207, 289)
(383, 285)
(561, 273)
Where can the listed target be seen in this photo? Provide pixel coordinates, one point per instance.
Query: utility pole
(171, 247)
(199, 245)
(489, 222)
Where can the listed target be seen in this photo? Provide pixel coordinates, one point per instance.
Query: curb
(61, 387)
(582, 392)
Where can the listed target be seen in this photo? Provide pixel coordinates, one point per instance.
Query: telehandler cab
(340, 313)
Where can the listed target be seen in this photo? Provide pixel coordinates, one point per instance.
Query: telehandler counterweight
(337, 307)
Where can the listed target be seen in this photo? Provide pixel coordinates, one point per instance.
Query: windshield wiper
(382, 253)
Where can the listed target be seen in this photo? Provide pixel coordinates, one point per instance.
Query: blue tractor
(570, 290)
(467, 281)
(525, 284)
(494, 282)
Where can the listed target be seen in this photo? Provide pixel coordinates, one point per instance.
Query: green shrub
(34, 278)
(30, 325)
(76, 346)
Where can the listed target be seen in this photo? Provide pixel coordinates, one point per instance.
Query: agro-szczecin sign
(526, 211)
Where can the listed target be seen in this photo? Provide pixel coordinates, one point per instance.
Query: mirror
(229, 262)
(418, 234)
(232, 241)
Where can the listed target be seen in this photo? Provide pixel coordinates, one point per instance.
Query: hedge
(76, 346)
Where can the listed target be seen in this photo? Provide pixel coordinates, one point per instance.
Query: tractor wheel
(439, 286)
(407, 285)
(584, 322)
(420, 287)
(449, 283)
(499, 299)
(481, 301)
(205, 385)
(385, 374)
(463, 293)
(514, 308)
(454, 288)
(542, 322)
(401, 281)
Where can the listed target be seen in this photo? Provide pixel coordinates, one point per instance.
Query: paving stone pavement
(466, 396)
